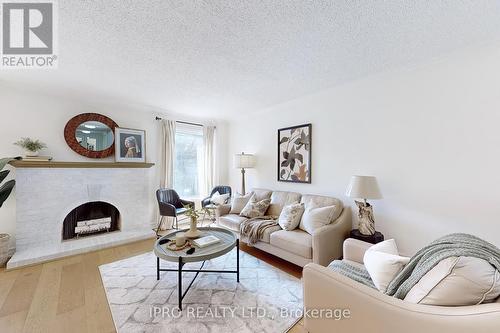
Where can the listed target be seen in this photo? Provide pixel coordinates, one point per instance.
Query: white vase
(193, 231)
(30, 153)
(4, 248)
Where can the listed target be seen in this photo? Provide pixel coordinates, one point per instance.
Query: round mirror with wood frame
(91, 135)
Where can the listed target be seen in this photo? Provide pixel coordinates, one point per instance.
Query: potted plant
(5, 190)
(31, 147)
(194, 215)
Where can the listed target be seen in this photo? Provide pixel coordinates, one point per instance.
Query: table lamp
(364, 187)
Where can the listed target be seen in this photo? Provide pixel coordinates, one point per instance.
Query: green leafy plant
(7, 187)
(31, 145)
(192, 213)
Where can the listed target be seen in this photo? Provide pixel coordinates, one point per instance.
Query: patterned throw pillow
(255, 208)
(290, 216)
(239, 202)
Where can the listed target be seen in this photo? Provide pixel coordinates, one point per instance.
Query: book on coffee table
(205, 241)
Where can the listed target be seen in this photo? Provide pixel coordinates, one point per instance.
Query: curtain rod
(182, 122)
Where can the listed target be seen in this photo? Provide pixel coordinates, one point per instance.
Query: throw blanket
(254, 228)
(359, 274)
(454, 245)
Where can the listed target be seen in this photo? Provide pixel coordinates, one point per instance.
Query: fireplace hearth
(89, 219)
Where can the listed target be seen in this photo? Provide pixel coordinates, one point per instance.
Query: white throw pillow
(290, 216)
(219, 199)
(316, 217)
(457, 281)
(239, 202)
(383, 263)
(255, 208)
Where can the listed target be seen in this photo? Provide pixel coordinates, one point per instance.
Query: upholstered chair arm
(327, 241)
(205, 202)
(186, 203)
(369, 310)
(355, 249)
(222, 210)
(167, 209)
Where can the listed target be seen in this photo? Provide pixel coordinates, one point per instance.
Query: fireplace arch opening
(91, 218)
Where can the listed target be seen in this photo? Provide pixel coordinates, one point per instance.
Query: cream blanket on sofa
(253, 229)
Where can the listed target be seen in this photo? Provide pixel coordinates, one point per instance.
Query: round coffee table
(228, 241)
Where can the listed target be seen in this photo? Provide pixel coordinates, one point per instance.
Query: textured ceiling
(220, 58)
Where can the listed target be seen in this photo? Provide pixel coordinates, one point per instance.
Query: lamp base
(243, 181)
(374, 239)
(366, 224)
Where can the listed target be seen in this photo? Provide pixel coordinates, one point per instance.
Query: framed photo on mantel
(294, 154)
(130, 145)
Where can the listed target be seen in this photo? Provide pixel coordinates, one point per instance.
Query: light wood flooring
(67, 295)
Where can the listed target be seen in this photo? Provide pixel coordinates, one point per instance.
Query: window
(188, 167)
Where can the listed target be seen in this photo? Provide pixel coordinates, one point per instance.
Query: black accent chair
(221, 189)
(171, 205)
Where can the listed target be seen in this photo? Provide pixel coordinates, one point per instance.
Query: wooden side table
(374, 239)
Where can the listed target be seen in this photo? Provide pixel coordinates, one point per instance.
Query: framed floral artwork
(294, 154)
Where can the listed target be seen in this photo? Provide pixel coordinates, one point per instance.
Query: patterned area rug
(265, 300)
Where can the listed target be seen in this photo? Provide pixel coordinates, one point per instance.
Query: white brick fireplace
(45, 196)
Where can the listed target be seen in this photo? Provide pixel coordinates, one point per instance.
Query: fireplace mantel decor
(82, 165)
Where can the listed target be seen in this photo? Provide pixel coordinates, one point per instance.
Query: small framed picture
(130, 145)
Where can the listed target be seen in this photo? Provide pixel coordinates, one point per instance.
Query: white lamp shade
(364, 187)
(244, 161)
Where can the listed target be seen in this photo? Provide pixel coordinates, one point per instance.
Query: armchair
(221, 189)
(170, 205)
(372, 311)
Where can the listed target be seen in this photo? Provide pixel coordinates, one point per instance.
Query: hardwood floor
(67, 295)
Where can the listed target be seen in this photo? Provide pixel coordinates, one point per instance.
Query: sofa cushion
(255, 208)
(290, 216)
(280, 199)
(457, 281)
(266, 235)
(262, 193)
(232, 221)
(383, 263)
(321, 201)
(297, 242)
(239, 202)
(316, 217)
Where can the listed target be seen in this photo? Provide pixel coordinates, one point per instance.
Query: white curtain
(167, 141)
(209, 158)
(167, 153)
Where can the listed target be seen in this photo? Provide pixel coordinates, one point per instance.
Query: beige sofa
(372, 311)
(296, 246)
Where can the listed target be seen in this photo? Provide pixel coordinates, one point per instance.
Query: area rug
(265, 300)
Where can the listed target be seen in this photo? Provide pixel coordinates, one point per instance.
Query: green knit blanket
(454, 245)
(359, 274)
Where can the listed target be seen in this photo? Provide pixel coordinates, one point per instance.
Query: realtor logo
(28, 32)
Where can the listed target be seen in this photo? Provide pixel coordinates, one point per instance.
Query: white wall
(430, 134)
(42, 116)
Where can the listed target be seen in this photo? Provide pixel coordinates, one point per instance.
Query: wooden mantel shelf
(82, 165)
